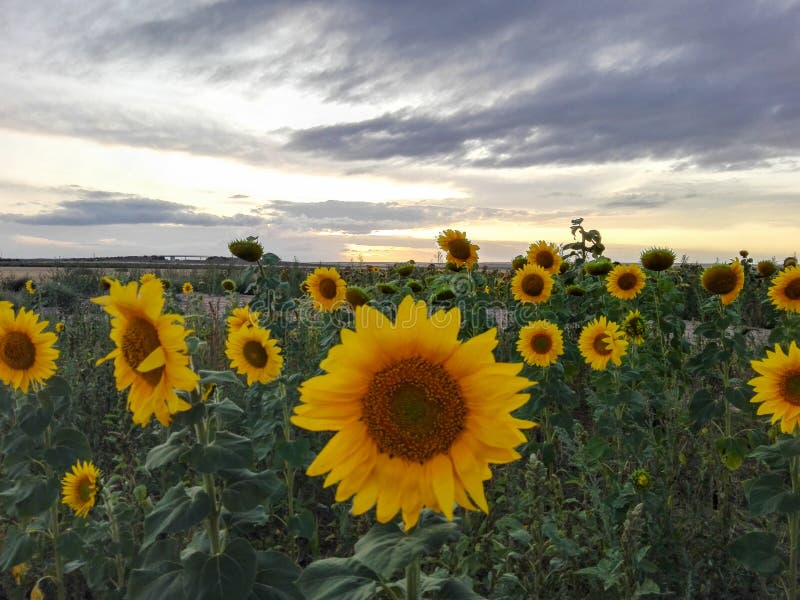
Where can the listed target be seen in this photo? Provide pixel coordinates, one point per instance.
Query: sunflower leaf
(336, 578)
(756, 551)
(176, 511)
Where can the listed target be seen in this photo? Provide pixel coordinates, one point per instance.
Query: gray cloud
(637, 201)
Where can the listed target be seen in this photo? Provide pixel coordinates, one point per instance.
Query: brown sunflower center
(600, 346)
(544, 258)
(720, 280)
(327, 289)
(138, 342)
(792, 290)
(532, 284)
(541, 343)
(627, 281)
(459, 248)
(85, 490)
(18, 350)
(255, 354)
(791, 388)
(414, 409)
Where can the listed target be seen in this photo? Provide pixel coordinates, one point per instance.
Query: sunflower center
(85, 490)
(792, 290)
(532, 284)
(459, 249)
(414, 409)
(791, 388)
(627, 281)
(723, 281)
(544, 259)
(138, 342)
(255, 354)
(600, 345)
(327, 289)
(19, 353)
(541, 343)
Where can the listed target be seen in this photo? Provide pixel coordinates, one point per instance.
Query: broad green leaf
(703, 407)
(160, 575)
(31, 496)
(776, 455)
(221, 577)
(17, 548)
(297, 452)
(303, 524)
(67, 447)
(338, 578)
(218, 377)
(226, 410)
(757, 550)
(276, 575)
(226, 451)
(446, 586)
(166, 453)
(768, 494)
(249, 489)
(33, 419)
(176, 511)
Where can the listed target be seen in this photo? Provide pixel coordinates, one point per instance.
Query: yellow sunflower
(778, 386)
(187, 288)
(79, 488)
(460, 251)
(545, 255)
(725, 280)
(254, 353)
(106, 282)
(532, 283)
(242, 317)
(625, 282)
(150, 355)
(634, 327)
(30, 287)
(327, 288)
(146, 277)
(540, 343)
(602, 341)
(785, 290)
(419, 414)
(26, 350)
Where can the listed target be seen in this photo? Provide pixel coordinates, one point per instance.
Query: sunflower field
(566, 427)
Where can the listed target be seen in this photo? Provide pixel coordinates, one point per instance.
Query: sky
(355, 130)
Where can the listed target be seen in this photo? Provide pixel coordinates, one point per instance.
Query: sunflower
(327, 288)
(460, 251)
(625, 282)
(150, 356)
(358, 296)
(26, 350)
(187, 288)
(147, 277)
(242, 317)
(725, 280)
(785, 290)
(634, 327)
(532, 283)
(540, 343)
(778, 386)
(229, 285)
(602, 341)
(59, 327)
(18, 572)
(766, 268)
(249, 249)
(546, 256)
(80, 487)
(419, 414)
(599, 267)
(658, 259)
(30, 287)
(254, 353)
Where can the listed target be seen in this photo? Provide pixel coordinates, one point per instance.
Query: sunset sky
(350, 129)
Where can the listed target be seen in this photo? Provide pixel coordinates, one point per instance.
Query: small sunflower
(460, 251)
(641, 479)
(18, 572)
(30, 287)
(789, 261)
(625, 282)
(785, 290)
(326, 288)
(633, 326)
(36, 593)
(540, 343)
(546, 256)
(187, 288)
(146, 277)
(532, 284)
(254, 353)
(248, 249)
(79, 488)
(59, 327)
(602, 341)
(242, 317)
(151, 357)
(658, 259)
(419, 415)
(766, 268)
(518, 262)
(229, 285)
(778, 386)
(725, 280)
(599, 267)
(26, 350)
(357, 296)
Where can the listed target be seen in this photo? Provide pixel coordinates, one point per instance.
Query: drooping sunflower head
(785, 290)
(599, 267)
(357, 296)
(658, 259)
(532, 283)
(419, 415)
(744, 253)
(405, 269)
(30, 287)
(602, 341)
(79, 488)
(27, 354)
(254, 353)
(187, 288)
(242, 317)
(766, 268)
(414, 285)
(575, 290)
(634, 327)
(518, 262)
(625, 282)
(228, 285)
(725, 280)
(326, 288)
(387, 287)
(778, 386)
(248, 249)
(546, 256)
(789, 261)
(540, 343)
(460, 251)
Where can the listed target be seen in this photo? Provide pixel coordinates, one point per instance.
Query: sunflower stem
(212, 520)
(412, 580)
(119, 563)
(61, 592)
(794, 531)
(288, 470)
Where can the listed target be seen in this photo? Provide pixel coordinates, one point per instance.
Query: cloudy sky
(350, 129)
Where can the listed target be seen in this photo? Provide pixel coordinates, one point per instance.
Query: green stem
(55, 530)
(117, 539)
(412, 580)
(212, 521)
(794, 530)
(288, 470)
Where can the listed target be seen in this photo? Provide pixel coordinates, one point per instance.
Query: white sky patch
(30, 240)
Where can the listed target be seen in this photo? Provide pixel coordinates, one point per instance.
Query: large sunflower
(150, 355)
(327, 288)
(242, 317)
(540, 343)
(602, 341)
(532, 283)
(625, 282)
(419, 414)
(254, 353)
(79, 488)
(26, 350)
(460, 251)
(725, 280)
(778, 386)
(545, 255)
(785, 290)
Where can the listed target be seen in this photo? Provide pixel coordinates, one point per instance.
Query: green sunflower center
(600, 346)
(719, 280)
(541, 343)
(791, 388)
(544, 258)
(792, 290)
(532, 284)
(414, 409)
(85, 490)
(627, 281)
(19, 353)
(138, 342)
(255, 354)
(459, 249)
(327, 288)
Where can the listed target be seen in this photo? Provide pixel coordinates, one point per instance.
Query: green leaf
(446, 586)
(303, 524)
(160, 575)
(67, 447)
(338, 578)
(757, 551)
(297, 452)
(17, 548)
(227, 451)
(768, 494)
(166, 453)
(249, 489)
(275, 577)
(31, 495)
(34, 418)
(218, 377)
(776, 455)
(226, 410)
(703, 407)
(55, 394)
(176, 511)
(221, 577)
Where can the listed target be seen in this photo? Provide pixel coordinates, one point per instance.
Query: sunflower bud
(356, 296)
(229, 285)
(658, 259)
(248, 249)
(599, 267)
